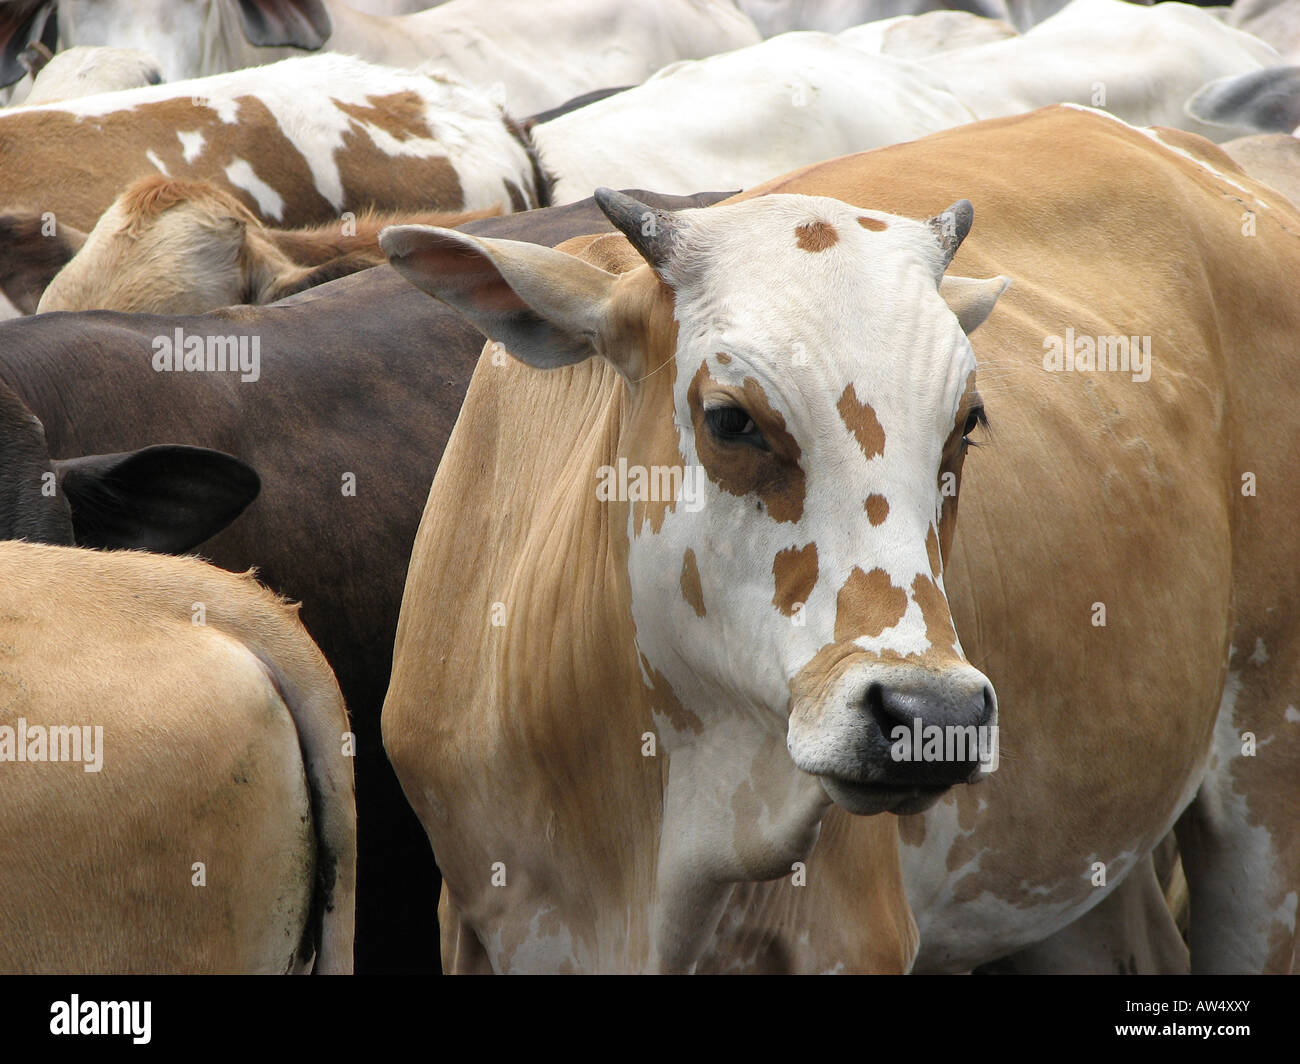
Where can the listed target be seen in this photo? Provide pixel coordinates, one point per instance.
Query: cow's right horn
(651, 230)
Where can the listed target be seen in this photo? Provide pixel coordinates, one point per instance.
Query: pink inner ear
(468, 274)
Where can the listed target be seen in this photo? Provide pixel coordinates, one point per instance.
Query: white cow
(917, 36)
(731, 121)
(832, 16)
(1140, 64)
(539, 54)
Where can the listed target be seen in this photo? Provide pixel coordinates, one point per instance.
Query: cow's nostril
(891, 707)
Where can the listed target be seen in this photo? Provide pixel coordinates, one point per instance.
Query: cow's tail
(307, 686)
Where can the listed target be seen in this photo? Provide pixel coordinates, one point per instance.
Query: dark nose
(946, 734)
(892, 706)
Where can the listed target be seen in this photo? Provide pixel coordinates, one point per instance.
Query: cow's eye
(733, 423)
(974, 419)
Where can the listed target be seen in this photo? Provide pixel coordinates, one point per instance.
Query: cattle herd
(418, 555)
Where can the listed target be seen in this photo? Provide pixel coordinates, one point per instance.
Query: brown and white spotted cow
(297, 142)
(634, 729)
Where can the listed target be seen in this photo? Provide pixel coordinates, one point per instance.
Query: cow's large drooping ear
(950, 228)
(652, 231)
(1266, 101)
(972, 299)
(33, 249)
(285, 23)
(24, 22)
(546, 307)
(167, 498)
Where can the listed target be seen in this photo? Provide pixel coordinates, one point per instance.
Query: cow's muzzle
(893, 738)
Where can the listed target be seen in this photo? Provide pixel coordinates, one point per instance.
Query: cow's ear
(285, 23)
(33, 248)
(972, 299)
(1266, 101)
(167, 498)
(24, 22)
(548, 308)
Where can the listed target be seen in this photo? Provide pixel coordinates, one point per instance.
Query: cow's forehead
(805, 242)
(803, 291)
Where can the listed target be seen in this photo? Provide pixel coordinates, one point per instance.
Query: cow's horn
(951, 226)
(650, 230)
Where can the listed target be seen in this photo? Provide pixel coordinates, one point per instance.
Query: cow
(87, 71)
(774, 17)
(736, 119)
(535, 55)
(186, 247)
(1139, 63)
(1261, 101)
(637, 742)
(359, 383)
(203, 755)
(918, 36)
(297, 142)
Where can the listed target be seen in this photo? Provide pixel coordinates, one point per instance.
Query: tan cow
(298, 143)
(186, 247)
(634, 729)
(174, 790)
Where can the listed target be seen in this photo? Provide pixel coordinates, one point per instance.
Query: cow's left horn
(651, 230)
(951, 226)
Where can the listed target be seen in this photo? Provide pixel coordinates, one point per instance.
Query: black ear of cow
(166, 499)
(23, 22)
(285, 23)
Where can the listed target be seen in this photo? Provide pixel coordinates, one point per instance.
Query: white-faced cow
(538, 54)
(719, 481)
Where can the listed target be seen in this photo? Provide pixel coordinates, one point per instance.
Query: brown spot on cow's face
(723, 358)
(664, 700)
(862, 422)
(399, 114)
(874, 224)
(867, 604)
(934, 611)
(794, 571)
(877, 507)
(816, 236)
(773, 474)
(690, 581)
